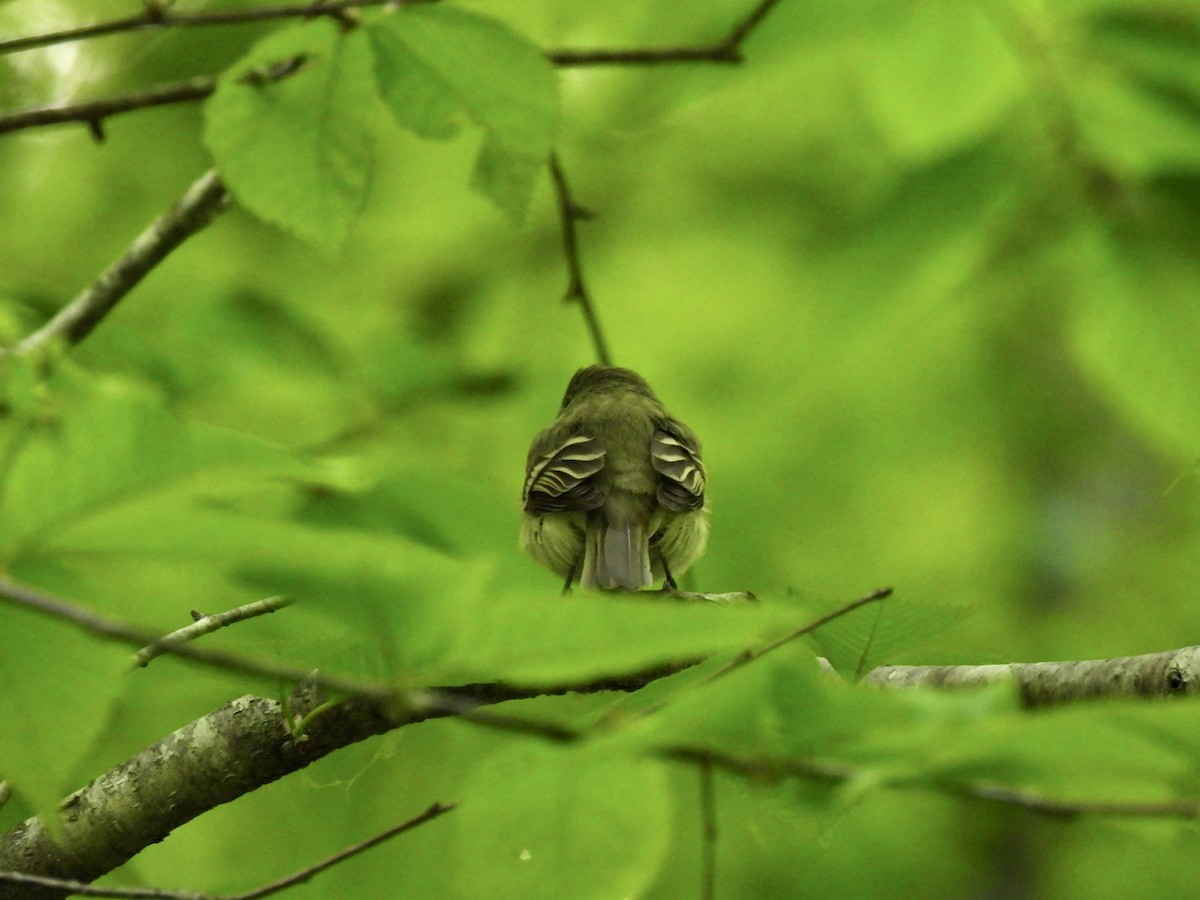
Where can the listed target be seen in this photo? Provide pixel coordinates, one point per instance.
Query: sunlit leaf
(856, 643)
(295, 143)
(437, 64)
(557, 822)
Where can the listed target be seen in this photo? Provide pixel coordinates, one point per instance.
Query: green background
(923, 277)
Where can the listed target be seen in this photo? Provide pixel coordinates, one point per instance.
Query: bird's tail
(616, 556)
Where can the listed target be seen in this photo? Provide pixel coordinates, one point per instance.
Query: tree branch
(207, 625)
(306, 874)
(114, 630)
(753, 653)
(94, 112)
(1032, 801)
(252, 741)
(235, 750)
(156, 16)
(726, 50)
(202, 202)
(571, 212)
(1163, 674)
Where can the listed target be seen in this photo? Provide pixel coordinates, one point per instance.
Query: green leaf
(856, 643)
(440, 620)
(772, 707)
(1134, 330)
(940, 80)
(580, 822)
(436, 63)
(90, 445)
(296, 149)
(60, 686)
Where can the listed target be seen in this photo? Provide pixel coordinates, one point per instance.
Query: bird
(614, 492)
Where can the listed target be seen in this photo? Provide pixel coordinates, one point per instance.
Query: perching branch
(207, 625)
(202, 202)
(571, 212)
(306, 874)
(1165, 674)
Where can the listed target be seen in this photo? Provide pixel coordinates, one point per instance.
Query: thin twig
(751, 654)
(571, 212)
(155, 16)
(1031, 801)
(438, 809)
(726, 50)
(440, 703)
(467, 707)
(113, 630)
(207, 625)
(275, 887)
(643, 56)
(94, 112)
(708, 832)
(201, 203)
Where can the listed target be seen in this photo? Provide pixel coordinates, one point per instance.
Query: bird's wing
(563, 479)
(675, 455)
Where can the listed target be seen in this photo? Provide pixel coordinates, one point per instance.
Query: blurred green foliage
(925, 279)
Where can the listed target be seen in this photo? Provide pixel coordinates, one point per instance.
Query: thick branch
(211, 761)
(306, 874)
(230, 752)
(196, 209)
(1168, 673)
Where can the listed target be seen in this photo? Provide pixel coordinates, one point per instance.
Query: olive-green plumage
(614, 489)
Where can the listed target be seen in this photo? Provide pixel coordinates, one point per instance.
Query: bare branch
(94, 112)
(226, 754)
(571, 212)
(111, 629)
(207, 625)
(435, 811)
(83, 889)
(195, 210)
(751, 654)
(155, 16)
(1164, 674)
(727, 50)
(1032, 801)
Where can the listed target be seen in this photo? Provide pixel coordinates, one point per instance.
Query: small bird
(614, 489)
